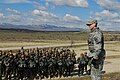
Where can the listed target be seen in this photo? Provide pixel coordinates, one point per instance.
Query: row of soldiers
(40, 63)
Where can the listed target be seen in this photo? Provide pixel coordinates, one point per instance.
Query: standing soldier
(32, 67)
(60, 66)
(4, 60)
(0, 65)
(45, 66)
(22, 65)
(81, 61)
(41, 67)
(0, 70)
(64, 65)
(86, 62)
(96, 48)
(69, 64)
(52, 63)
(9, 66)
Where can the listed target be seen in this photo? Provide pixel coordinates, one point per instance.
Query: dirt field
(13, 40)
(111, 65)
(112, 62)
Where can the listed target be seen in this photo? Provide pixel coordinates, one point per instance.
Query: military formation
(30, 64)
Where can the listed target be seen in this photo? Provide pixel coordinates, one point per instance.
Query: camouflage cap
(91, 22)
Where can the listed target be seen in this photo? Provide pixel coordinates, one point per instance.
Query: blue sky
(69, 13)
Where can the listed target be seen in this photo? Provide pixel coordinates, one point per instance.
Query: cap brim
(88, 24)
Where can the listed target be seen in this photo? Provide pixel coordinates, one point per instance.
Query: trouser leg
(96, 73)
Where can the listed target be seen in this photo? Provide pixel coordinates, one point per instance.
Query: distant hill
(43, 27)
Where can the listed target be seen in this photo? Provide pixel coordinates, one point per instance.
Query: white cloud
(109, 26)
(44, 14)
(38, 6)
(106, 14)
(44, 17)
(70, 18)
(37, 17)
(73, 21)
(13, 18)
(109, 4)
(13, 11)
(1, 15)
(108, 20)
(75, 3)
(36, 12)
(116, 20)
(14, 1)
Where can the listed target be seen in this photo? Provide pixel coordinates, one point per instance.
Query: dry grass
(112, 49)
(16, 39)
(113, 57)
(20, 44)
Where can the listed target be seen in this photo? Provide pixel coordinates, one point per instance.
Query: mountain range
(42, 27)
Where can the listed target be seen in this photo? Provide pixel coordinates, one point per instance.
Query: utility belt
(100, 53)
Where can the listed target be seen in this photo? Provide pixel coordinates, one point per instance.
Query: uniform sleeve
(98, 43)
(78, 60)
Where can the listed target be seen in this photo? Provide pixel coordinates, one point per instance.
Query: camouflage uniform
(60, 66)
(0, 70)
(41, 66)
(52, 64)
(0, 66)
(9, 66)
(86, 62)
(45, 66)
(69, 64)
(32, 68)
(22, 66)
(96, 48)
(81, 61)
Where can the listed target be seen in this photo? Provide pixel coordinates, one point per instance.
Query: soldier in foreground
(96, 48)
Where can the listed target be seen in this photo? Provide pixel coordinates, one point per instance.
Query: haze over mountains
(43, 27)
(47, 27)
